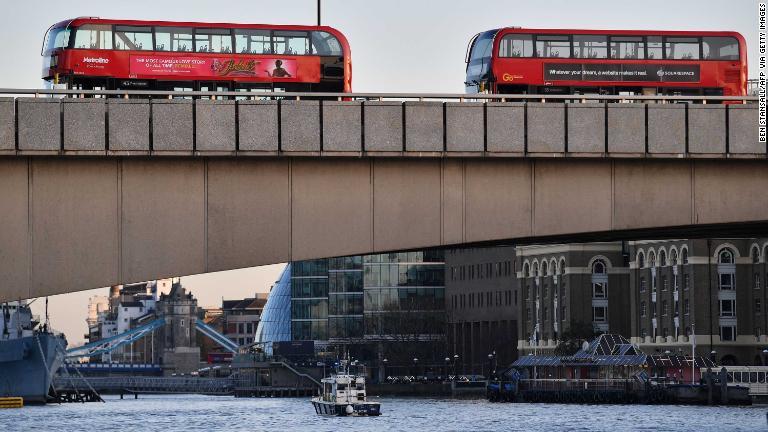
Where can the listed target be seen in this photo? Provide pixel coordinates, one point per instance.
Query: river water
(224, 413)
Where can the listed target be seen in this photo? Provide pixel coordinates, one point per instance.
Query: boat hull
(25, 371)
(363, 409)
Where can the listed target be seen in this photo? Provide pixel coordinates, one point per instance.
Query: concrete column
(257, 125)
(586, 128)
(300, 126)
(626, 128)
(342, 126)
(666, 128)
(706, 129)
(424, 126)
(383, 126)
(742, 130)
(39, 126)
(7, 125)
(129, 130)
(465, 126)
(84, 124)
(506, 127)
(172, 126)
(215, 127)
(546, 127)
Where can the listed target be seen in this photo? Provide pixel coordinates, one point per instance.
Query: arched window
(662, 258)
(725, 256)
(526, 270)
(598, 267)
(544, 268)
(673, 257)
(685, 255)
(535, 269)
(640, 259)
(651, 259)
(755, 255)
(553, 267)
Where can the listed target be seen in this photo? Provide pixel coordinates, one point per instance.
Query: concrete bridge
(97, 192)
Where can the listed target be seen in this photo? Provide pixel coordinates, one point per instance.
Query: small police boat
(344, 394)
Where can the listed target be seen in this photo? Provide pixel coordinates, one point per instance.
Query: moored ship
(29, 354)
(344, 394)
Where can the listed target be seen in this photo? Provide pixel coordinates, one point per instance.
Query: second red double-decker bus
(95, 53)
(553, 61)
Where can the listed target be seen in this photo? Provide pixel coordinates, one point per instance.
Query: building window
(728, 333)
(662, 258)
(664, 308)
(686, 281)
(727, 308)
(642, 309)
(673, 257)
(642, 284)
(686, 306)
(685, 255)
(599, 291)
(758, 306)
(727, 281)
(755, 255)
(757, 281)
(640, 259)
(664, 283)
(725, 256)
(599, 313)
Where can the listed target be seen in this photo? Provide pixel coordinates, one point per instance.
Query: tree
(571, 340)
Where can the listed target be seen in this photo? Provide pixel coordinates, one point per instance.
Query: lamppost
(447, 363)
(765, 357)
(416, 366)
(713, 356)
(490, 365)
(455, 361)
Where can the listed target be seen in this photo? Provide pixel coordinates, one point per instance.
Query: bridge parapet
(454, 126)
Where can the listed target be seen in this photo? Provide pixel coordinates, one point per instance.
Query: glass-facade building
(275, 322)
(365, 303)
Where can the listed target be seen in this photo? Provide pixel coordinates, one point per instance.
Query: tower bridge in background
(98, 191)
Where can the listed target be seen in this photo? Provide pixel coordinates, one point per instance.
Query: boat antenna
(47, 317)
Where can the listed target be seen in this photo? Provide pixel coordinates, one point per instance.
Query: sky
(397, 46)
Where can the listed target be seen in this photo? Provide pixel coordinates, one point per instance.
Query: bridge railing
(142, 122)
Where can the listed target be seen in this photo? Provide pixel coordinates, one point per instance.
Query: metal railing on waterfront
(371, 96)
(579, 384)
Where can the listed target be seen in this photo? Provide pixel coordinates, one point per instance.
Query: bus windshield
(56, 38)
(480, 56)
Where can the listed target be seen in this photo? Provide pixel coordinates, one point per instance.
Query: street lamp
(765, 357)
(490, 365)
(713, 356)
(447, 362)
(455, 360)
(415, 366)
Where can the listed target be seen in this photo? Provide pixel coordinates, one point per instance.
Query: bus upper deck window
(682, 48)
(56, 38)
(213, 40)
(173, 39)
(551, 46)
(516, 45)
(720, 48)
(291, 42)
(325, 44)
(590, 46)
(133, 38)
(655, 48)
(631, 48)
(253, 41)
(93, 36)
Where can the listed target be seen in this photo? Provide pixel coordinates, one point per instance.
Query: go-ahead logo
(99, 60)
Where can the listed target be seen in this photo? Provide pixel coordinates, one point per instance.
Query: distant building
(481, 291)
(571, 286)
(714, 289)
(275, 322)
(179, 353)
(240, 318)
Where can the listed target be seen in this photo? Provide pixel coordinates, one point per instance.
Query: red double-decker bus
(95, 53)
(554, 61)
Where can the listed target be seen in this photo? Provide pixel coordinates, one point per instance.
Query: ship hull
(25, 371)
(358, 409)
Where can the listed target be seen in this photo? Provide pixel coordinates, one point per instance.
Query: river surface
(224, 413)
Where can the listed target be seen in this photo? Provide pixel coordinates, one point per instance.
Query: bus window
(550, 46)
(682, 48)
(132, 38)
(720, 48)
(590, 46)
(325, 44)
(253, 41)
(480, 56)
(56, 38)
(631, 48)
(655, 50)
(173, 39)
(213, 40)
(516, 45)
(93, 36)
(291, 42)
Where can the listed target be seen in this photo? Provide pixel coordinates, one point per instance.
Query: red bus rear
(554, 61)
(95, 53)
